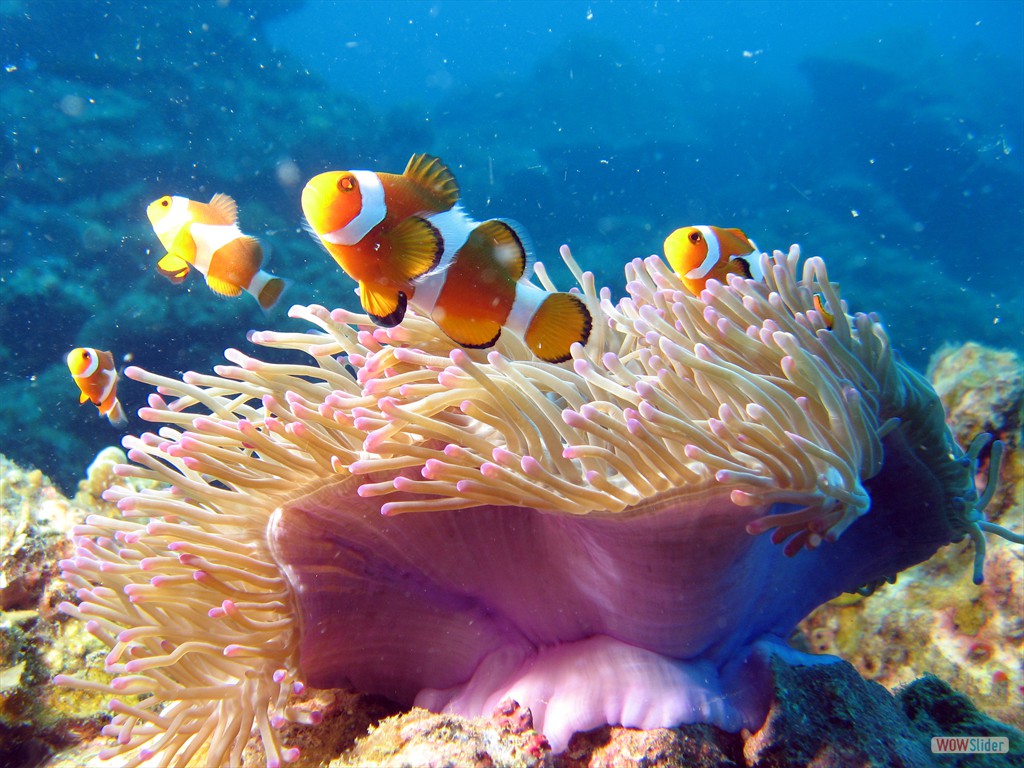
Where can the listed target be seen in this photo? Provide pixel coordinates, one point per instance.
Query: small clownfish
(206, 236)
(94, 373)
(406, 242)
(819, 306)
(699, 254)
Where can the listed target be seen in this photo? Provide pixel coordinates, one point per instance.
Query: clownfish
(406, 242)
(374, 225)
(699, 254)
(94, 372)
(206, 236)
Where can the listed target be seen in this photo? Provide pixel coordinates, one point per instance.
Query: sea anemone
(453, 527)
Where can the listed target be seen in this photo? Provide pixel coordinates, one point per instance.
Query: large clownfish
(374, 225)
(96, 376)
(406, 242)
(206, 236)
(699, 254)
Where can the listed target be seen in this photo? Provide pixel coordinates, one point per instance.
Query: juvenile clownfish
(406, 242)
(699, 254)
(206, 236)
(819, 306)
(94, 372)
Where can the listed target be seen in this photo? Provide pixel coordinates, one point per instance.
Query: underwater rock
(505, 740)
(34, 520)
(826, 715)
(36, 642)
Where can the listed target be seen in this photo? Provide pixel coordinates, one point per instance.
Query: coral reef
(195, 101)
(37, 719)
(934, 620)
(826, 716)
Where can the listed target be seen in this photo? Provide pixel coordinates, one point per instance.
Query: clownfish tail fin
(271, 292)
(436, 178)
(560, 321)
(116, 414)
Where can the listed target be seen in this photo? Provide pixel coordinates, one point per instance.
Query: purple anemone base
(665, 614)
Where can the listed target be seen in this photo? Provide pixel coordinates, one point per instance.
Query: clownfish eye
(695, 237)
(165, 202)
(346, 183)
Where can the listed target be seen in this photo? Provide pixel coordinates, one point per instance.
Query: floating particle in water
(72, 105)
(288, 174)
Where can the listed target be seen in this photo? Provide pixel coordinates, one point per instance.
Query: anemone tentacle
(747, 392)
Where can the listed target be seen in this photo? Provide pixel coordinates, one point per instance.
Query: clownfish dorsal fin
(561, 320)
(505, 244)
(386, 307)
(735, 241)
(434, 176)
(252, 246)
(416, 247)
(224, 207)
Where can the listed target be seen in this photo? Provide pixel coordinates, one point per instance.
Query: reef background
(604, 125)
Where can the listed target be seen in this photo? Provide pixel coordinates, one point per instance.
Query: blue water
(887, 137)
(420, 52)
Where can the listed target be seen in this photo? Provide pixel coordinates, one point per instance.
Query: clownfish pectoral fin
(434, 176)
(739, 265)
(222, 287)
(467, 331)
(560, 321)
(385, 307)
(174, 268)
(416, 247)
(224, 208)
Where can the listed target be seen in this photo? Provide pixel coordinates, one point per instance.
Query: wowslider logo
(970, 745)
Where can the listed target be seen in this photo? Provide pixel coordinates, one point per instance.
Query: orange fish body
(702, 253)
(479, 289)
(407, 242)
(94, 372)
(206, 236)
(373, 225)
